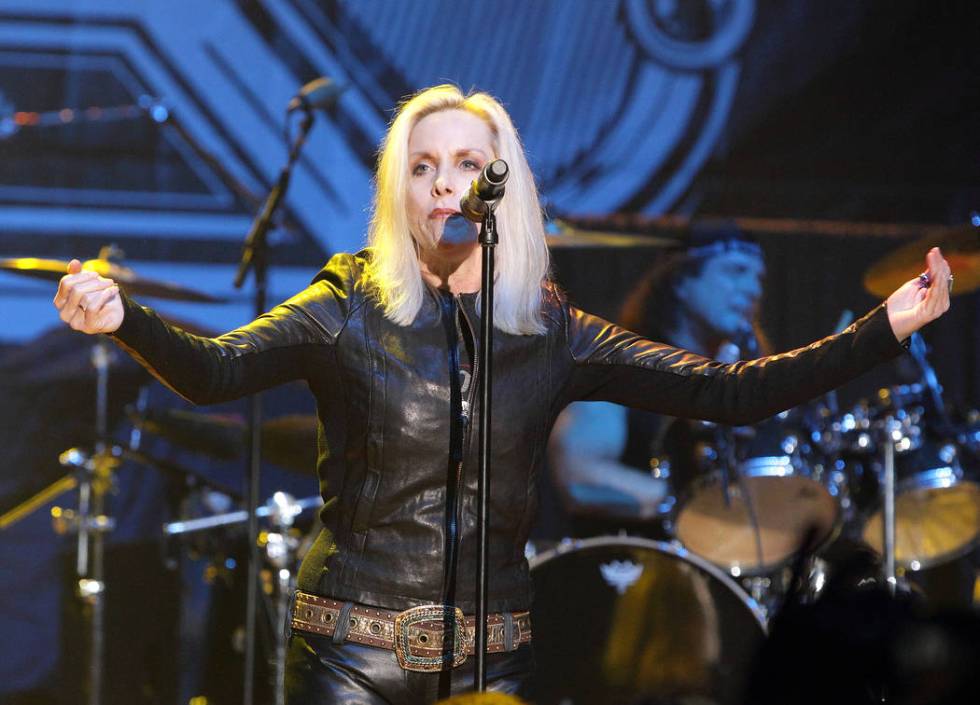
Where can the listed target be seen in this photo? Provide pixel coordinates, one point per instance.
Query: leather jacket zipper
(474, 375)
(459, 434)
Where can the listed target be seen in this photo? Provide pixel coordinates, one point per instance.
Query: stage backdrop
(159, 126)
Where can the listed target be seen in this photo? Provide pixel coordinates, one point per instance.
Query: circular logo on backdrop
(693, 35)
(684, 78)
(619, 104)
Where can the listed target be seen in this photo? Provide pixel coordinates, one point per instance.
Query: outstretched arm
(613, 364)
(277, 347)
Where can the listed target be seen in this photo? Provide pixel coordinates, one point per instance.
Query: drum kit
(893, 473)
(289, 442)
(774, 514)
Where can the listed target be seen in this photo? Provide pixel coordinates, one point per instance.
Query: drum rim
(940, 477)
(573, 545)
(770, 466)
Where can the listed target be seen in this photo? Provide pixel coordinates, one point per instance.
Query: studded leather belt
(416, 635)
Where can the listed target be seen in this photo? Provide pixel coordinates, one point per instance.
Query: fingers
(936, 300)
(74, 267)
(94, 310)
(69, 282)
(81, 294)
(938, 267)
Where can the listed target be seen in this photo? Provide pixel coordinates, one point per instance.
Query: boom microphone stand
(255, 257)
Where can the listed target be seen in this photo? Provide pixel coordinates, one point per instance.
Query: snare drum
(752, 520)
(620, 620)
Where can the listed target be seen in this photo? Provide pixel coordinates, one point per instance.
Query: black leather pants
(319, 672)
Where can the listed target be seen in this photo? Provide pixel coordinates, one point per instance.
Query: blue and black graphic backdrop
(158, 126)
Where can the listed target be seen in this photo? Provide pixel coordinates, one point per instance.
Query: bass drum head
(622, 621)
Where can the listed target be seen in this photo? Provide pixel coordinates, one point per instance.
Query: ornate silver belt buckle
(419, 635)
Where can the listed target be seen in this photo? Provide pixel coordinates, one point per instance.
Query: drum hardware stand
(93, 477)
(280, 552)
(759, 587)
(888, 516)
(726, 443)
(730, 472)
(746, 346)
(891, 428)
(893, 437)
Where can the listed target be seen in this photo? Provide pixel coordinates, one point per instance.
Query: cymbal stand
(280, 552)
(91, 524)
(892, 434)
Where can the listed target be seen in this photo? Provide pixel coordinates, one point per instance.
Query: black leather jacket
(384, 400)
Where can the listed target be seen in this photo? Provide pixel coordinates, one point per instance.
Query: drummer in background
(609, 463)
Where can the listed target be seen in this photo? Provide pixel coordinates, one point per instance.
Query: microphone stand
(488, 241)
(255, 256)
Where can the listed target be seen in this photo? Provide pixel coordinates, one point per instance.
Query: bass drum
(620, 620)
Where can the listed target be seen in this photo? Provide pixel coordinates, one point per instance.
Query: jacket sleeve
(613, 364)
(276, 347)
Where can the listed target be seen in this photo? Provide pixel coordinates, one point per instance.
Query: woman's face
(446, 151)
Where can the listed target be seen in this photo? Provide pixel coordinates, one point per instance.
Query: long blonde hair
(521, 258)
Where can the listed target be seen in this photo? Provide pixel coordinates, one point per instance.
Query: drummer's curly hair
(652, 308)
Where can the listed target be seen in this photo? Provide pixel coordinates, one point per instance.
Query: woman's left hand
(914, 304)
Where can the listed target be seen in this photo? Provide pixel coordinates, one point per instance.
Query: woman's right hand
(87, 302)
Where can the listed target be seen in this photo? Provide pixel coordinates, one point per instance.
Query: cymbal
(287, 441)
(214, 435)
(131, 282)
(561, 234)
(960, 246)
(290, 442)
(61, 356)
(186, 475)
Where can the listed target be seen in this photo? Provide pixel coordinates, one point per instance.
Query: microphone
(319, 94)
(488, 186)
